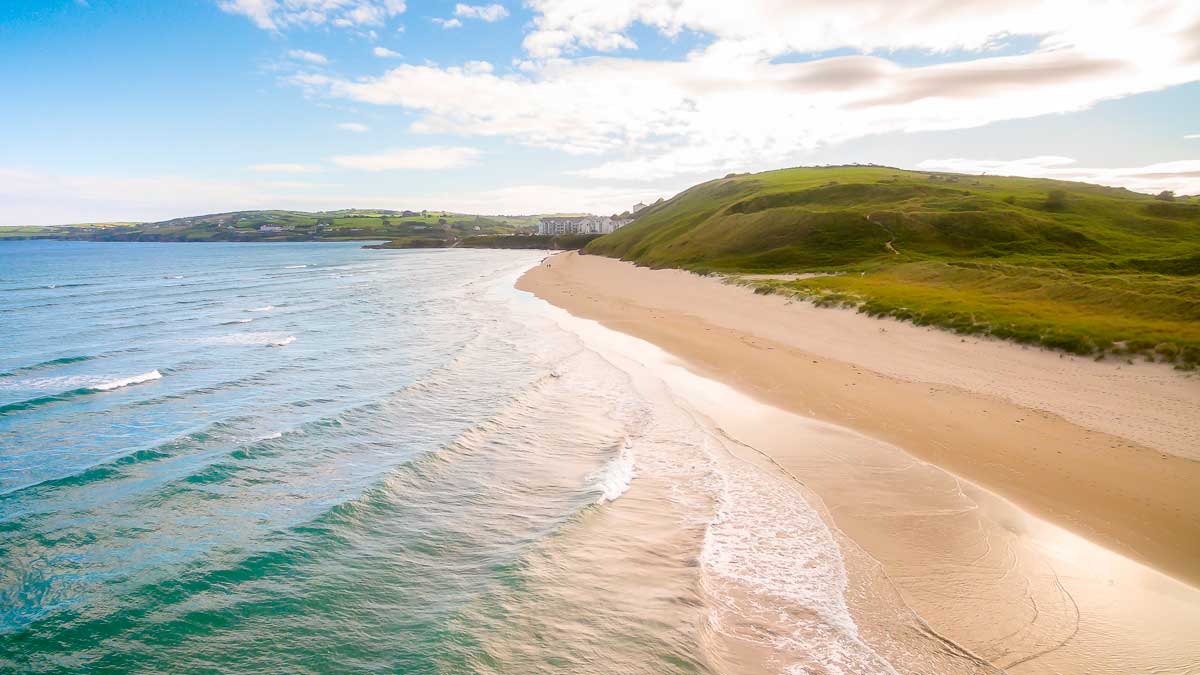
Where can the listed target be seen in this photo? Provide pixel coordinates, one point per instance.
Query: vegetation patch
(1080, 268)
(342, 225)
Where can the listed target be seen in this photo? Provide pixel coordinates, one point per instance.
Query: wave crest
(615, 478)
(126, 381)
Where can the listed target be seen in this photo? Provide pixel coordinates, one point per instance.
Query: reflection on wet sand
(942, 576)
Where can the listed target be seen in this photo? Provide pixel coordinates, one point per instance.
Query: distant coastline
(280, 225)
(380, 229)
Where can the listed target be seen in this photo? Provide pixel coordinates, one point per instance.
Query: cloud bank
(764, 89)
(430, 158)
(278, 15)
(1181, 176)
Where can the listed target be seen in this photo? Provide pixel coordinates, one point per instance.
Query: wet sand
(978, 468)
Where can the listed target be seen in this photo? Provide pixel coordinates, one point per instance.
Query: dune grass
(1081, 268)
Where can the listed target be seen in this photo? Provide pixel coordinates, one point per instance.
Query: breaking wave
(615, 478)
(126, 381)
(93, 388)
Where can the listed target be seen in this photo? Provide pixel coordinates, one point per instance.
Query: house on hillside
(270, 228)
(580, 225)
(558, 226)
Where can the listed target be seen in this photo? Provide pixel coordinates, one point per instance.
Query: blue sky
(140, 109)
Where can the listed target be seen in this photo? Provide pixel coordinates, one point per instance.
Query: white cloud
(258, 11)
(307, 56)
(488, 13)
(541, 198)
(428, 158)
(30, 198)
(447, 23)
(385, 53)
(278, 15)
(764, 27)
(356, 127)
(1181, 176)
(283, 168)
(294, 184)
(734, 106)
(1193, 136)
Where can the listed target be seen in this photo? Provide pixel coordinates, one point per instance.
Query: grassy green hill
(347, 224)
(1083, 268)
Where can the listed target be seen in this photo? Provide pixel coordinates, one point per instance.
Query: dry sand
(1110, 451)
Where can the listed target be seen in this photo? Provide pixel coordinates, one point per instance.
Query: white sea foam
(251, 338)
(126, 381)
(294, 267)
(769, 561)
(230, 323)
(614, 479)
(265, 308)
(77, 382)
(53, 384)
(766, 539)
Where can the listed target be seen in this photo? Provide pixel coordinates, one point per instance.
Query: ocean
(315, 458)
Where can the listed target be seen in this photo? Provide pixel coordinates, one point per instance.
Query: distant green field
(340, 225)
(1071, 266)
(29, 232)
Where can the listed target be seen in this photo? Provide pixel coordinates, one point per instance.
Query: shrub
(1056, 200)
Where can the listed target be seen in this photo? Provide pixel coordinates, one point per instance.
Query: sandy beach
(1039, 512)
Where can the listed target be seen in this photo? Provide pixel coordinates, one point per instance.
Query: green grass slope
(1082, 268)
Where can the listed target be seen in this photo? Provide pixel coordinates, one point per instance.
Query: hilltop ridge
(1083, 268)
(430, 227)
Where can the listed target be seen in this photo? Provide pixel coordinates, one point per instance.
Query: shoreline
(991, 412)
(941, 575)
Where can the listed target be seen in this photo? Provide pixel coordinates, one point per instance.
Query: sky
(117, 110)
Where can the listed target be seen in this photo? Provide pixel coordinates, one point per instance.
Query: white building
(557, 226)
(581, 225)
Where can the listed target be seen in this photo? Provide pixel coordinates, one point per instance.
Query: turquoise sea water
(296, 458)
(315, 458)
